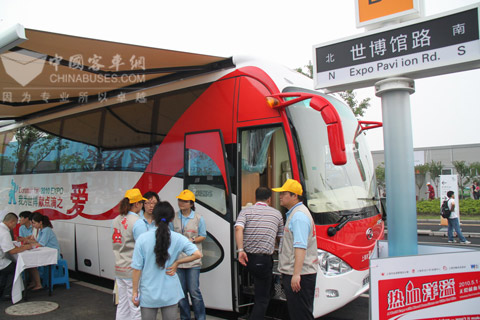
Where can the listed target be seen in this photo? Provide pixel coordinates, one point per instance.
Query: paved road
(84, 302)
(429, 232)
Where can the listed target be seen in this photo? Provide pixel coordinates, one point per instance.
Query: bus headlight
(332, 265)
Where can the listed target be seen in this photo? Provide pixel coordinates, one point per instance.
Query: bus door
(206, 175)
(263, 161)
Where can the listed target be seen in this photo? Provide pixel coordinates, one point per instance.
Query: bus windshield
(331, 190)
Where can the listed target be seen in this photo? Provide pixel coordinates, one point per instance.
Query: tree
(420, 173)
(309, 71)
(475, 170)
(348, 96)
(435, 169)
(380, 175)
(463, 171)
(33, 146)
(358, 108)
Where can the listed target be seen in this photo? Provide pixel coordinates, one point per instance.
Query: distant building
(445, 154)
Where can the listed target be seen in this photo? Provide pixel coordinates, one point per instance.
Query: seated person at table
(7, 267)
(26, 227)
(46, 238)
(26, 232)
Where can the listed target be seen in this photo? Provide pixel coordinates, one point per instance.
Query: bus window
(6, 167)
(212, 253)
(264, 161)
(77, 156)
(29, 150)
(206, 174)
(133, 159)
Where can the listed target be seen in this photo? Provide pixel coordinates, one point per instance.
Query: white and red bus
(220, 134)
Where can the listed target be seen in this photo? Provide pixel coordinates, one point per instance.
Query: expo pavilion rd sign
(433, 46)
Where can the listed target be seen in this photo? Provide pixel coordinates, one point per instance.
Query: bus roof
(50, 72)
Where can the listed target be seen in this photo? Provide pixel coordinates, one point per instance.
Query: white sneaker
(451, 241)
(465, 242)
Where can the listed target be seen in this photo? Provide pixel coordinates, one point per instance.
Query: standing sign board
(449, 183)
(426, 47)
(441, 284)
(371, 12)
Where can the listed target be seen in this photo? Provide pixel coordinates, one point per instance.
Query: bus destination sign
(433, 46)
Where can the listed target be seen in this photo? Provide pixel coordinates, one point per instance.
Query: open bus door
(263, 161)
(206, 175)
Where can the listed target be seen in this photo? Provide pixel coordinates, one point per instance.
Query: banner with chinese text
(430, 286)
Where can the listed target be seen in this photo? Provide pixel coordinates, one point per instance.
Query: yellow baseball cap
(134, 195)
(186, 195)
(291, 186)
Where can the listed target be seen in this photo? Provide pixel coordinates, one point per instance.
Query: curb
(443, 233)
(438, 220)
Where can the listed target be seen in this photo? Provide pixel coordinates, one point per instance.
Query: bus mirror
(336, 140)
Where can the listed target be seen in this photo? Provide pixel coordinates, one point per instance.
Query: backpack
(445, 210)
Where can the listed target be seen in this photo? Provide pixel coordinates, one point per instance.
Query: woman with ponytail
(46, 238)
(155, 262)
(123, 244)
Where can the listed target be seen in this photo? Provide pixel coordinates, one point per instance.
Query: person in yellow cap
(123, 245)
(191, 225)
(298, 257)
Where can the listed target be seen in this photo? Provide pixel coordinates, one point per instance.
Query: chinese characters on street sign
(431, 47)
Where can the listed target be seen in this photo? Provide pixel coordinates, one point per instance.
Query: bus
(220, 134)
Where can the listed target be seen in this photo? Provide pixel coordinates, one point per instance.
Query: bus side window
(205, 169)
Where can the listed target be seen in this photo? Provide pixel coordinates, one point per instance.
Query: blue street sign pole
(399, 168)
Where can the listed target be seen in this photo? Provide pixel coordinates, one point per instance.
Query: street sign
(425, 47)
(371, 12)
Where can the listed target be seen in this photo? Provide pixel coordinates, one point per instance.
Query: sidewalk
(82, 301)
(443, 231)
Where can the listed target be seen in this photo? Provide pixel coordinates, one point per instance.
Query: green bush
(432, 207)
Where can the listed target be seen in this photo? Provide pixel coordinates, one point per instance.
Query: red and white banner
(431, 286)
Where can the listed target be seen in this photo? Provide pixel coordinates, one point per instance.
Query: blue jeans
(455, 224)
(189, 278)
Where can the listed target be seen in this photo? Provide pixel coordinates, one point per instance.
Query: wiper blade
(331, 231)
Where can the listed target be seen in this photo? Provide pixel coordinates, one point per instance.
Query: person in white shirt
(7, 266)
(453, 221)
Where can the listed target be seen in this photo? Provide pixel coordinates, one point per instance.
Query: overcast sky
(445, 109)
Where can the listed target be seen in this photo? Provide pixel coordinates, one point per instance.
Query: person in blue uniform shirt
(146, 221)
(298, 255)
(155, 262)
(46, 238)
(26, 227)
(192, 225)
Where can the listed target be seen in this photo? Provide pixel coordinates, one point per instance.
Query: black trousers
(300, 304)
(6, 280)
(260, 267)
